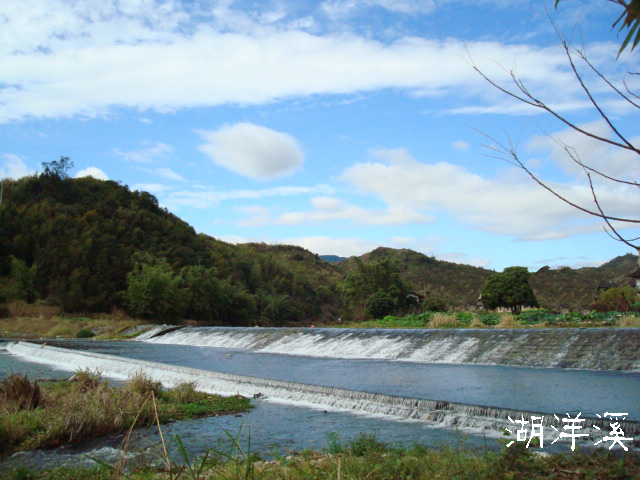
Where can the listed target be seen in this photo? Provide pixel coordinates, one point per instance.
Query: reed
(443, 320)
(507, 321)
(630, 321)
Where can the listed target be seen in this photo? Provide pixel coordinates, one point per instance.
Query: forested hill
(575, 289)
(89, 245)
(455, 284)
(74, 242)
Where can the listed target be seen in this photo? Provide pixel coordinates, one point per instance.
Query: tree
(585, 73)
(58, 169)
(381, 304)
(617, 299)
(509, 289)
(630, 20)
(154, 290)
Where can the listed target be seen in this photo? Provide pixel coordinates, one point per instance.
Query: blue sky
(337, 125)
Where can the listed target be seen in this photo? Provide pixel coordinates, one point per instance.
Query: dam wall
(489, 420)
(588, 348)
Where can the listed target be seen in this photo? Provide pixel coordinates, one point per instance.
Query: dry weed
(630, 321)
(508, 321)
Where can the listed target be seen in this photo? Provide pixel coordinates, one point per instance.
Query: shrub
(142, 384)
(508, 321)
(19, 391)
(85, 333)
(381, 304)
(441, 320)
(86, 379)
(618, 299)
(186, 393)
(434, 305)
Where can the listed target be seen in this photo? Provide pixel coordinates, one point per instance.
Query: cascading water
(595, 349)
(493, 420)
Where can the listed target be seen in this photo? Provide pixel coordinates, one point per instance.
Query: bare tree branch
(510, 151)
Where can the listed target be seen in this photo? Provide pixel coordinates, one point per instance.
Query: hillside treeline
(88, 245)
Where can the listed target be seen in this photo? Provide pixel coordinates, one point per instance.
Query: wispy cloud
(87, 60)
(14, 167)
(169, 174)
(203, 198)
(146, 155)
(517, 208)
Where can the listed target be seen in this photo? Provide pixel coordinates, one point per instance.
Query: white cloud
(169, 174)
(252, 150)
(463, 258)
(341, 8)
(461, 145)
(211, 198)
(150, 187)
(92, 172)
(516, 208)
(614, 161)
(331, 208)
(146, 155)
(14, 167)
(343, 247)
(84, 58)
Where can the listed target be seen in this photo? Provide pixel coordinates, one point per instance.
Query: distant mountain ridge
(332, 258)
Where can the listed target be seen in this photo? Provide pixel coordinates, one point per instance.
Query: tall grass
(88, 407)
(443, 320)
(630, 321)
(507, 321)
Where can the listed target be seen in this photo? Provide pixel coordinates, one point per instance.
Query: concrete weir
(589, 348)
(490, 420)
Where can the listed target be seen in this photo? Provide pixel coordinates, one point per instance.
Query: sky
(338, 125)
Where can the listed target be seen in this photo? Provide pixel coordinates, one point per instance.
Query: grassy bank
(527, 319)
(105, 328)
(51, 413)
(366, 458)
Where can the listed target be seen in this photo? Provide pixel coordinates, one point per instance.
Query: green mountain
(457, 285)
(88, 245)
(575, 289)
(74, 242)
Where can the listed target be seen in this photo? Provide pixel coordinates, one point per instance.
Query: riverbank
(44, 414)
(103, 328)
(365, 457)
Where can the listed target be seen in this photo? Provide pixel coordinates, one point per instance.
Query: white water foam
(435, 413)
(597, 349)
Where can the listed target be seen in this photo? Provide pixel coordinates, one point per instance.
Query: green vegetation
(620, 299)
(527, 318)
(373, 289)
(85, 247)
(88, 246)
(509, 289)
(366, 457)
(30, 321)
(47, 414)
(450, 283)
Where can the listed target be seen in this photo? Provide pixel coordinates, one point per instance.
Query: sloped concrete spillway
(589, 348)
(475, 417)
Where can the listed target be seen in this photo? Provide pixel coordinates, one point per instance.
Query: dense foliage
(374, 288)
(509, 289)
(88, 245)
(451, 284)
